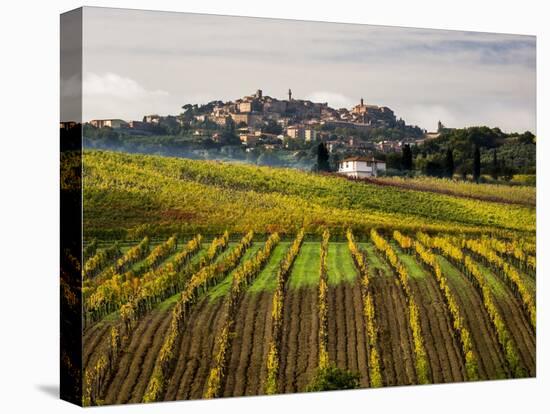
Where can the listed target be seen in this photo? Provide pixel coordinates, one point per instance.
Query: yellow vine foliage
(421, 361)
(508, 272)
(368, 311)
(428, 258)
(323, 303)
(470, 267)
(242, 276)
(277, 313)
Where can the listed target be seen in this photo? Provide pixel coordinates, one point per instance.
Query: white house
(361, 167)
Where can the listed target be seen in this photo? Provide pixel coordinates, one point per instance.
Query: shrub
(332, 378)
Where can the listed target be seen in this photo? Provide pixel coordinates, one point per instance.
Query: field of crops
(246, 314)
(206, 279)
(130, 196)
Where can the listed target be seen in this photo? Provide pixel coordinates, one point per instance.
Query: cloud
(334, 99)
(424, 75)
(116, 86)
(110, 95)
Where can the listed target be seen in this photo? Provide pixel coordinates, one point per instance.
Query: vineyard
(132, 196)
(251, 314)
(207, 280)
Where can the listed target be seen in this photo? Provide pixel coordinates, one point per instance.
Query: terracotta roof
(369, 159)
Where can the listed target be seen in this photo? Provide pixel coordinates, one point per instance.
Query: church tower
(290, 95)
(361, 101)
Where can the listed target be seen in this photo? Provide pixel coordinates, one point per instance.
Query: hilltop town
(264, 130)
(261, 122)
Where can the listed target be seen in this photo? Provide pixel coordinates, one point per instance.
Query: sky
(142, 62)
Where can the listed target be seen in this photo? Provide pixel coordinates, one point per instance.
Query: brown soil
(148, 359)
(394, 335)
(130, 365)
(207, 354)
(490, 358)
(195, 353)
(246, 369)
(347, 345)
(442, 347)
(299, 342)
(235, 379)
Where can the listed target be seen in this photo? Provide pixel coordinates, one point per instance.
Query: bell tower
(290, 95)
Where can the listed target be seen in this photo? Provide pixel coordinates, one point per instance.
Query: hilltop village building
(111, 123)
(261, 120)
(361, 167)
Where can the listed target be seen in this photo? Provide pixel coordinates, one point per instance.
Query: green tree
(449, 164)
(406, 158)
(272, 127)
(433, 168)
(333, 378)
(477, 164)
(526, 138)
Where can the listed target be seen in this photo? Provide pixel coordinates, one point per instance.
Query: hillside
(132, 195)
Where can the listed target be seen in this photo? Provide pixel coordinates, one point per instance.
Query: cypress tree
(322, 158)
(477, 164)
(406, 159)
(449, 164)
(494, 171)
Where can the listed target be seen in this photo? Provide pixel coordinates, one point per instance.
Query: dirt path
(490, 358)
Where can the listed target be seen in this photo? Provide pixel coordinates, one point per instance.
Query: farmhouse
(360, 167)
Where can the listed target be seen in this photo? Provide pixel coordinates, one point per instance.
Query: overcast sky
(138, 62)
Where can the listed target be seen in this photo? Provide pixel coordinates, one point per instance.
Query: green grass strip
(305, 272)
(267, 279)
(340, 264)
